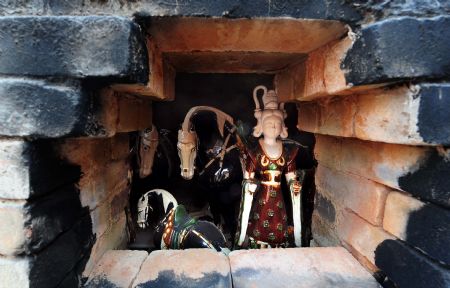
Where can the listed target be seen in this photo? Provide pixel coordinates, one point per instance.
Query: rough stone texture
(234, 9)
(28, 227)
(375, 9)
(42, 109)
(37, 108)
(117, 268)
(366, 198)
(425, 226)
(115, 237)
(324, 232)
(409, 268)
(400, 48)
(66, 254)
(361, 235)
(324, 207)
(77, 47)
(14, 272)
(185, 268)
(298, 267)
(32, 168)
(410, 115)
(421, 171)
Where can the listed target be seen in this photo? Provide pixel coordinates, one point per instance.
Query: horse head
(146, 152)
(188, 141)
(187, 151)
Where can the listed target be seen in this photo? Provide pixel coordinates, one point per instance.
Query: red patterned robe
(268, 219)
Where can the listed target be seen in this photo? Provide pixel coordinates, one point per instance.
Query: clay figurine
(263, 218)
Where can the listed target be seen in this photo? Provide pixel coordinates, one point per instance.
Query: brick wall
(377, 101)
(64, 146)
(382, 137)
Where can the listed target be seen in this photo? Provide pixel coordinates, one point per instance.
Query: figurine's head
(271, 118)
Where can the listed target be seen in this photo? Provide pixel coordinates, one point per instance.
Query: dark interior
(231, 93)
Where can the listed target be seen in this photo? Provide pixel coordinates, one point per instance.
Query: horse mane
(221, 117)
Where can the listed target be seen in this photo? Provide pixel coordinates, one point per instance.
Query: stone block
(324, 232)
(298, 267)
(308, 117)
(410, 115)
(117, 268)
(407, 114)
(361, 235)
(57, 261)
(33, 168)
(324, 207)
(336, 117)
(306, 9)
(74, 47)
(36, 108)
(28, 227)
(103, 177)
(422, 225)
(161, 82)
(115, 237)
(324, 74)
(420, 171)
(14, 272)
(366, 198)
(407, 267)
(400, 48)
(42, 109)
(185, 268)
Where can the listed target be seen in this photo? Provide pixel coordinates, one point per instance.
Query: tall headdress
(270, 107)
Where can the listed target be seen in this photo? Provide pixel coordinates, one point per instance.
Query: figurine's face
(272, 126)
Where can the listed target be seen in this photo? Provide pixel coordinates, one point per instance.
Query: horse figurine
(215, 159)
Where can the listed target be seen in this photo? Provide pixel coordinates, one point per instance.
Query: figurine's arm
(295, 189)
(249, 187)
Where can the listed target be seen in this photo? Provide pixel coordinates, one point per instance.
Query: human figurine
(263, 218)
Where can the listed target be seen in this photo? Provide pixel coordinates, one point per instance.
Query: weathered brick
(115, 237)
(308, 10)
(421, 171)
(105, 214)
(407, 114)
(332, 266)
(14, 272)
(28, 227)
(336, 116)
(400, 48)
(42, 109)
(364, 197)
(117, 268)
(409, 268)
(37, 108)
(324, 74)
(324, 232)
(324, 207)
(76, 47)
(55, 262)
(63, 256)
(32, 168)
(308, 117)
(102, 177)
(186, 268)
(422, 225)
(361, 235)
(410, 115)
